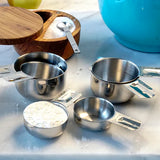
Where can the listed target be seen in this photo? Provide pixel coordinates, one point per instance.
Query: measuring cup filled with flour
(48, 119)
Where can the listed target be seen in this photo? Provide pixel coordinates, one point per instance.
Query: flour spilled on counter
(44, 114)
(82, 143)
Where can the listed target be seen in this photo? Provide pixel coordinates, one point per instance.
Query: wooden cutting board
(18, 25)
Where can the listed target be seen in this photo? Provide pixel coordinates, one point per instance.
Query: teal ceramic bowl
(135, 23)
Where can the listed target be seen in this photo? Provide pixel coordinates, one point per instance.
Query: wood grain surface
(18, 25)
(59, 46)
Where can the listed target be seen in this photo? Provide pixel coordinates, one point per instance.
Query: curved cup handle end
(125, 121)
(5, 70)
(9, 74)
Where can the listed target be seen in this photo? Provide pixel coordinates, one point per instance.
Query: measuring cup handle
(68, 97)
(141, 89)
(125, 121)
(5, 70)
(149, 71)
(8, 73)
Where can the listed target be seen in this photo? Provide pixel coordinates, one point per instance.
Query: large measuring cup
(118, 80)
(46, 73)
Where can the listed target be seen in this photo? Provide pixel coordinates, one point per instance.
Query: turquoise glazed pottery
(135, 23)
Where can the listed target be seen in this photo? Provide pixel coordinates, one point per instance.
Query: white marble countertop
(76, 143)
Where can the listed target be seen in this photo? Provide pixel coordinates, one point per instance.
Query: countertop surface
(96, 41)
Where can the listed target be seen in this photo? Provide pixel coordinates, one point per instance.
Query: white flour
(44, 114)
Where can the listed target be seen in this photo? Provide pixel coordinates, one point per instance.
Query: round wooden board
(18, 25)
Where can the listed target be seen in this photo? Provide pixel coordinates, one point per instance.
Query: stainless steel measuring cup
(48, 86)
(42, 120)
(40, 127)
(50, 78)
(118, 80)
(98, 114)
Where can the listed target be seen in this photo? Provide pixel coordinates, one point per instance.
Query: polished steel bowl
(118, 80)
(98, 114)
(51, 78)
(92, 113)
(41, 70)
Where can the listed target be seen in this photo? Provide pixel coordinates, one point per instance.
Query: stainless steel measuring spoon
(98, 114)
(65, 27)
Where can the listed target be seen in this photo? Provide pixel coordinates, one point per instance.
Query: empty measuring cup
(98, 114)
(118, 80)
(48, 71)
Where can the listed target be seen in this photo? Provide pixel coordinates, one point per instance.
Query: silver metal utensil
(52, 79)
(43, 122)
(47, 75)
(98, 114)
(48, 119)
(118, 80)
(30, 70)
(65, 27)
(9, 74)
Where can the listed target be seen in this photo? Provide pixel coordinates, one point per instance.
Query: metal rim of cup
(37, 57)
(98, 120)
(125, 82)
(58, 105)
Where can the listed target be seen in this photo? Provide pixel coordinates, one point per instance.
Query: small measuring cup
(45, 128)
(98, 114)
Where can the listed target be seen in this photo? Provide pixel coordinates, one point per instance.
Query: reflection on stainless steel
(115, 70)
(50, 79)
(39, 70)
(97, 114)
(112, 79)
